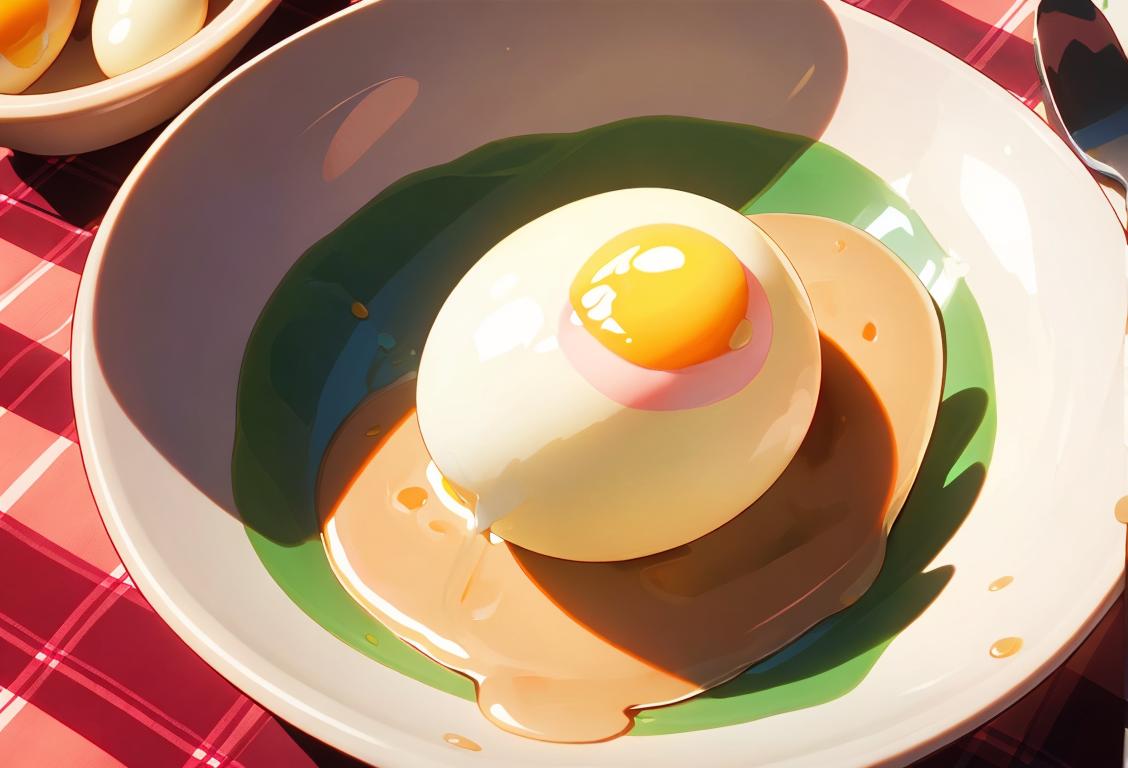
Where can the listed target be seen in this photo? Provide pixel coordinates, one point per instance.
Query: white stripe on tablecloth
(10, 706)
(36, 470)
(26, 282)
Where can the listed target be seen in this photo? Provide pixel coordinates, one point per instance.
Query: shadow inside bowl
(175, 305)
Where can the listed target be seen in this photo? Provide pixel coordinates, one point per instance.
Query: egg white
(559, 467)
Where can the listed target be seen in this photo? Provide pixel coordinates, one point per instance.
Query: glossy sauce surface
(566, 651)
(561, 649)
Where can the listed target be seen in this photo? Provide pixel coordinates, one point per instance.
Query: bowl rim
(326, 727)
(138, 82)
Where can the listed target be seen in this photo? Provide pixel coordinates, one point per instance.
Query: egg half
(620, 376)
(129, 33)
(32, 33)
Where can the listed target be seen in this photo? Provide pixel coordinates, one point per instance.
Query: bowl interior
(246, 181)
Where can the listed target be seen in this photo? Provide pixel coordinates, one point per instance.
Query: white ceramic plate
(282, 151)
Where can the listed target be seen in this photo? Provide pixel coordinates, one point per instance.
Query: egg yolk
(663, 296)
(22, 24)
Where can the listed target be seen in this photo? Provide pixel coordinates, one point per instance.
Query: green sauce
(312, 358)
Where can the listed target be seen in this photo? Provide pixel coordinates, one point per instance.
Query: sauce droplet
(439, 526)
(372, 639)
(839, 245)
(999, 583)
(1008, 646)
(374, 431)
(359, 310)
(1122, 510)
(461, 742)
(869, 332)
(412, 498)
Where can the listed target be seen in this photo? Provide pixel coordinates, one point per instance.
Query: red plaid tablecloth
(89, 675)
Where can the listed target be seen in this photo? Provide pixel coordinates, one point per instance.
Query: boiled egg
(32, 33)
(568, 651)
(620, 376)
(129, 33)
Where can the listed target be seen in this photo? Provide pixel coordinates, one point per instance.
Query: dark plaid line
(27, 644)
(44, 546)
(32, 539)
(35, 382)
(213, 743)
(241, 744)
(136, 647)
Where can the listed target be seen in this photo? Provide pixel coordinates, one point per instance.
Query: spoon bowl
(1084, 76)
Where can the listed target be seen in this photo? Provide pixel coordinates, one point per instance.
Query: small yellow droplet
(1122, 510)
(371, 638)
(439, 526)
(359, 310)
(999, 583)
(742, 335)
(412, 498)
(839, 245)
(374, 432)
(461, 742)
(869, 332)
(1008, 646)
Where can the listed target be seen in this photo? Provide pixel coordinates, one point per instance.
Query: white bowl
(75, 108)
(244, 181)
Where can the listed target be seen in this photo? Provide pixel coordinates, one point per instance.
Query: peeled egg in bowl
(32, 32)
(621, 375)
(127, 34)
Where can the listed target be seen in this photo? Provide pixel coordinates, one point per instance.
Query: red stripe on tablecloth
(244, 732)
(991, 41)
(70, 632)
(1006, 57)
(47, 548)
(61, 646)
(107, 689)
(210, 746)
(35, 382)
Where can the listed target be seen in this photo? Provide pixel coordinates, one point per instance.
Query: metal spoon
(1084, 76)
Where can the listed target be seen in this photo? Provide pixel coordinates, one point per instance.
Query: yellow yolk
(663, 296)
(22, 25)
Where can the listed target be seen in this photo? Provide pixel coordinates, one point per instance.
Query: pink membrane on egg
(692, 387)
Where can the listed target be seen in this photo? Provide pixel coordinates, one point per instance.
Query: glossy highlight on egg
(600, 336)
(127, 34)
